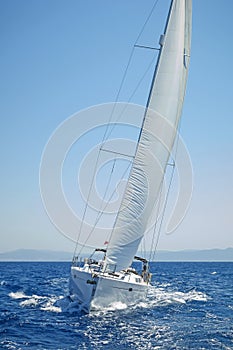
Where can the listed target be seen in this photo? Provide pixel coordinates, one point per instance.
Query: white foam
(29, 302)
(117, 306)
(50, 307)
(18, 295)
(158, 296)
(46, 303)
(105, 342)
(8, 344)
(74, 307)
(196, 296)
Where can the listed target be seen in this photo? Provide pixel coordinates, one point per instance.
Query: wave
(160, 296)
(157, 297)
(18, 295)
(9, 344)
(3, 283)
(45, 303)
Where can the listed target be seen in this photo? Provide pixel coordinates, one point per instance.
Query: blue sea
(190, 306)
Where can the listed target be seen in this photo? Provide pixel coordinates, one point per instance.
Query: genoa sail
(156, 139)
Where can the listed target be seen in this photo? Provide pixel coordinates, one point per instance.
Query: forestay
(157, 137)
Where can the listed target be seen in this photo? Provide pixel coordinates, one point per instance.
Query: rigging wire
(156, 218)
(176, 145)
(147, 20)
(113, 125)
(125, 75)
(103, 199)
(155, 242)
(86, 204)
(105, 136)
(136, 87)
(101, 213)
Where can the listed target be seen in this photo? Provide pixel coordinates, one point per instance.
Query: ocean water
(190, 306)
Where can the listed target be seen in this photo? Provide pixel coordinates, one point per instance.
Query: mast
(156, 67)
(156, 138)
(161, 41)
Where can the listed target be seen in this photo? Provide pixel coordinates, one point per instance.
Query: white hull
(97, 290)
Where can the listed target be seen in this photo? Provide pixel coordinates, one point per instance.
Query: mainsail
(156, 138)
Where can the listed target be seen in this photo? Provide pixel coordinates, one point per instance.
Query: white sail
(156, 139)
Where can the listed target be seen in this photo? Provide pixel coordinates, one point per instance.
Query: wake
(157, 297)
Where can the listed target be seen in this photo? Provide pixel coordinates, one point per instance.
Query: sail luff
(155, 71)
(156, 139)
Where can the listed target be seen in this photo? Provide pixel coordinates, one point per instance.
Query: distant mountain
(196, 255)
(162, 255)
(35, 255)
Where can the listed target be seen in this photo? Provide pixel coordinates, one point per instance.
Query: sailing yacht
(102, 281)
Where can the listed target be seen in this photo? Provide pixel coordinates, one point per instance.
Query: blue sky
(58, 57)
